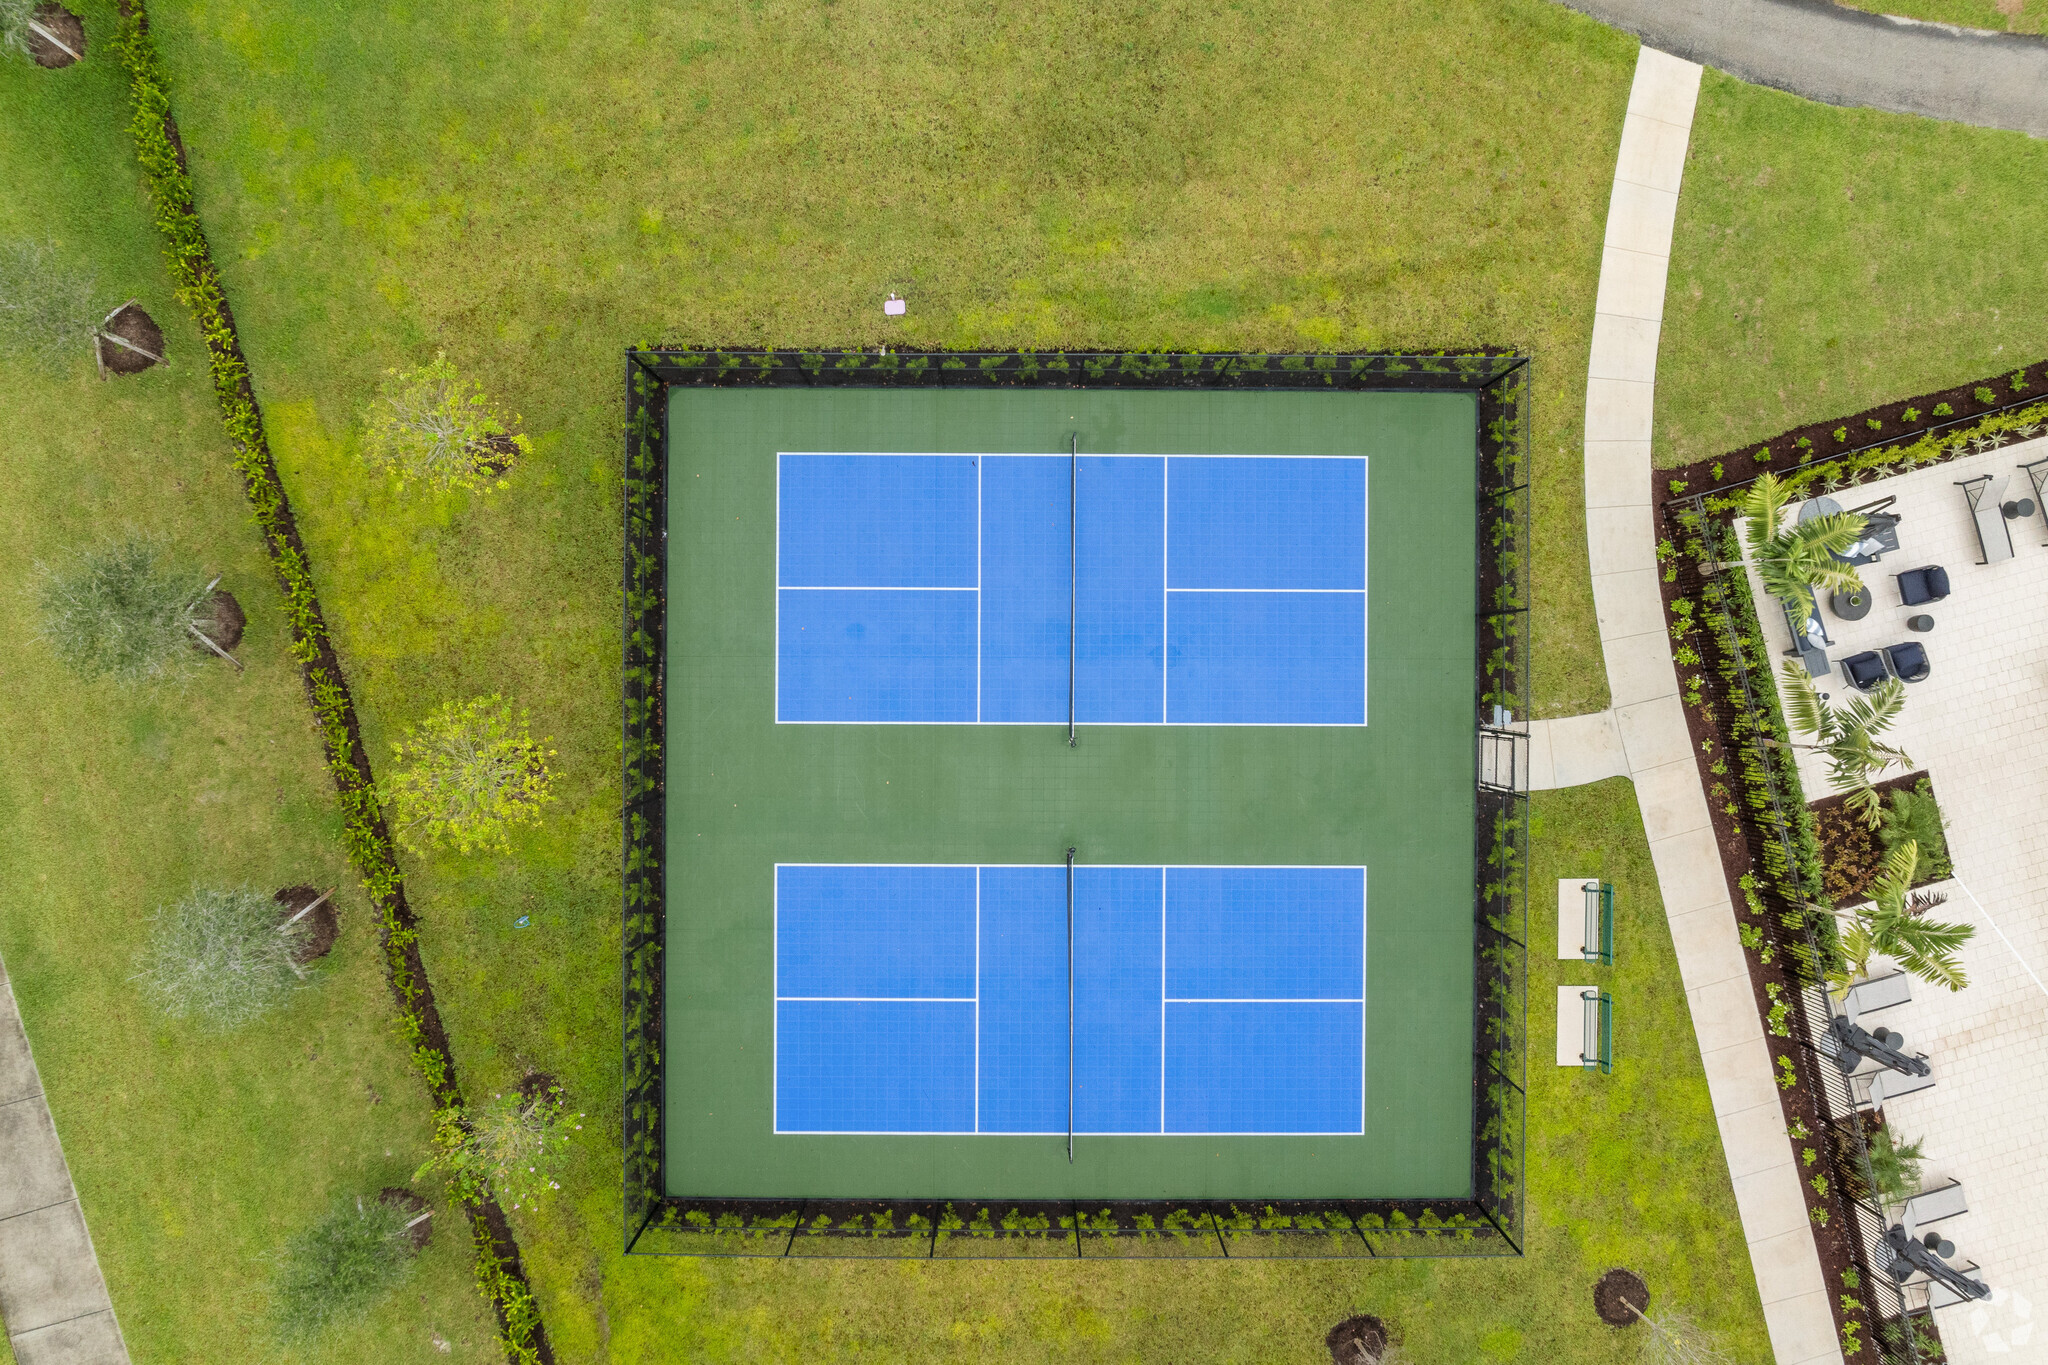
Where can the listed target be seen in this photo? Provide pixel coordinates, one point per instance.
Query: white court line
(1058, 1132)
(1041, 455)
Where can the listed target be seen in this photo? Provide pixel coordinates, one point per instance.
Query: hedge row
(198, 287)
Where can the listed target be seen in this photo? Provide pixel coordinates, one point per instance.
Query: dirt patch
(420, 1233)
(70, 33)
(318, 929)
(145, 341)
(499, 453)
(538, 1088)
(1616, 1292)
(220, 617)
(1357, 1341)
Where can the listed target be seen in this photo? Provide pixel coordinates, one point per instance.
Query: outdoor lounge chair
(1931, 1206)
(1908, 662)
(1917, 587)
(1865, 671)
(1878, 993)
(1808, 640)
(1983, 494)
(1882, 1085)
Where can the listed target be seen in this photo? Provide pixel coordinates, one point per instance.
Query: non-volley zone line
(1112, 589)
(935, 999)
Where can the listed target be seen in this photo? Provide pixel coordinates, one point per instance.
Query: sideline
(1647, 722)
(1824, 52)
(53, 1298)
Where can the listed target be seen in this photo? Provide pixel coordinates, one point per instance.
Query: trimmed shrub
(430, 425)
(126, 611)
(220, 956)
(334, 1271)
(467, 774)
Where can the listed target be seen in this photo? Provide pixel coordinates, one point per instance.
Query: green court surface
(745, 793)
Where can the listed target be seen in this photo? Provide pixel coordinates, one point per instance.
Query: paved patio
(1979, 726)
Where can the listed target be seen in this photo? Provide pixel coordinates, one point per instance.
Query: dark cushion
(1909, 660)
(1937, 580)
(1864, 670)
(1917, 586)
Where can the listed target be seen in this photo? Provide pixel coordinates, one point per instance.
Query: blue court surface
(944, 589)
(934, 999)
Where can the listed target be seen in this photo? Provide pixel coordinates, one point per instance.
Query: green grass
(195, 1156)
(532, 194)
(1826, 260)
(747, 794)
(2011, 16)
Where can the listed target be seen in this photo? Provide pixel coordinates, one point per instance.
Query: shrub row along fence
(1486, 1222)
(500, 1276)
(1753, 786)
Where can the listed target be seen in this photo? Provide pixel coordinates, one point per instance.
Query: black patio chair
(1866, 670)
(1920, 586)
(1908, 662)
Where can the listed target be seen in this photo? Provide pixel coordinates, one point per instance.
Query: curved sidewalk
(1647, 724)
(52, 1296)
(1845, 56)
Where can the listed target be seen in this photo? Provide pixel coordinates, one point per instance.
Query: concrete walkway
(1845, 56)
(1646, 730)
(52, 1298)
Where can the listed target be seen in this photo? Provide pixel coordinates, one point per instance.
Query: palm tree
(1794, 560)
(1890, 925)
(1849, 736)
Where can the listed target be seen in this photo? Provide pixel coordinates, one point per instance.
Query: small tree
(1914, 815)
(430, 425)
(46, 306)
(1675, 1340)
(468, 773)
(514, 1146)
(125, 611)
(1848, 736)
(220, 956)
(1794, 560)
(1890, 924)
(335, 1270)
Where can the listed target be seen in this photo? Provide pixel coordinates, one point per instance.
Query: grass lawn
(531, 194)
(2010, 16)
(1826, 260)
(196, 1157)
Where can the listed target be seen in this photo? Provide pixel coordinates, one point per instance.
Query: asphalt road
(1844, 56)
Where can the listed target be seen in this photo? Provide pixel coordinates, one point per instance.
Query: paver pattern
(1979, 726)
(52, 1296)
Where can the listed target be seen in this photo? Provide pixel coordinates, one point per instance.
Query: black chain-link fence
(1485, 1222)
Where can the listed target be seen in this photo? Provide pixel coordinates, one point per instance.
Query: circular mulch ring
(1361, 1340)
(321, 927)
(140, 331)
(502, 451)
(70, 31)
(420, 1233)
(220, 616)
(1615, 1292)
(537, 1088)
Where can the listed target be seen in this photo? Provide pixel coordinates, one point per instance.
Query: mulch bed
(537, 1088)
(420, 1233)
(70, 30)
(221, 618)
(132, 325)
(1361, 1340)
(1786, 452)
(503, 451)
(1615, 1292)
(322, 927)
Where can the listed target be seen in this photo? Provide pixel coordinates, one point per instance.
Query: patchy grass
(1826, 260)
(196, 1156)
